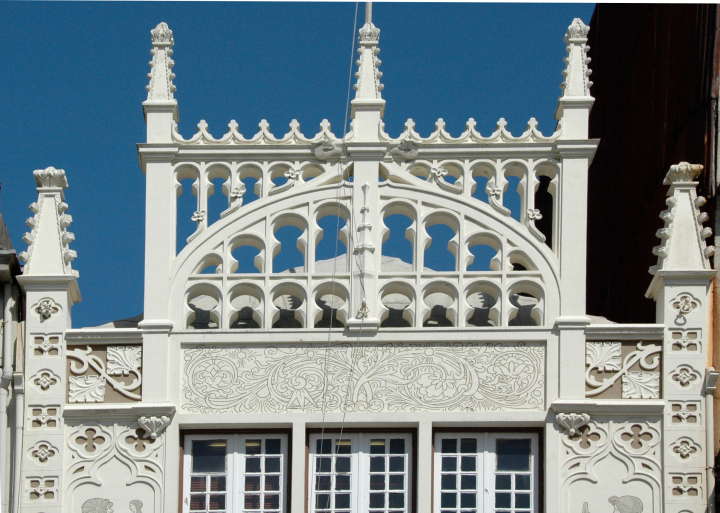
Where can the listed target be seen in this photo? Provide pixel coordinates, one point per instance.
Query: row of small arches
(483, 304)
(324, 248)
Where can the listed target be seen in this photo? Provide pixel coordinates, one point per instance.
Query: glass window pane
(272, 483)
(217, 484)
(252, 501)
(397, 482)
(397, 463)
(252, 483)
(342, 482)
(252, 465)
(197, 484)
(197, 502)
(468, 445)
(323, 464)
(397, 446)
(273, 445)
(502, 500)
(323, 446)
(467, 482)
(216, 502)
(449, 463)
(252, 447)
(503, 482)
(467, 500)
(342, 464)
(377, 446)
(322, 501)
(448, 500)
(208, 455)
(377, 464)
(342, 500)
(272, 501)
(272, 464)
(449, 445)
(377, 482)
(396, 500)
(377, 500)
(522, 482)
(467, 463)
(343, 446)
(448, 481)
(522, 500)
(322, 482)
(513, 454)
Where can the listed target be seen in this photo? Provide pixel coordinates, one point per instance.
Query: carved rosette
(46, 308)
(684, 304)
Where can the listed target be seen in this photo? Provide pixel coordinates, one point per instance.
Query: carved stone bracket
(154, 426)
(571, 423)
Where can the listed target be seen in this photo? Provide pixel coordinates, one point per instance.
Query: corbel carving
(154, 426)
(571, 423)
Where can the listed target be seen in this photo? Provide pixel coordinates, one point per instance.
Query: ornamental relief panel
(606, 456)
(116, 463)
(102, 373)
(622, 370)
(364, 377)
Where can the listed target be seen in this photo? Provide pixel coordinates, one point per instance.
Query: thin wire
(337, 240)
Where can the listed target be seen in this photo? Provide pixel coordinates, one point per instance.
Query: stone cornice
(62, 282)
(104, 336)
(577, 148)
(609, 406)
(625, 331)
(115, 410)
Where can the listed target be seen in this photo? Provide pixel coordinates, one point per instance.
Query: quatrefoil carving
(91, 440)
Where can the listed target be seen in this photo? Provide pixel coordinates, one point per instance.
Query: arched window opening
(512, 197)
(482, 298)
(544, 203)
(518, 267)
(288, 301)
(204, 305)
(526, 305)
(479, 189)
(397, 300)
(519, 261)
(248, 255)
(484, 253)
(289, 254)
(331, 246)
(331, 305)
(218, 196)
(249, 186)
(211, 264)
(187, 215)
(311, 171)
(441, 246)
(246, 302)
(440, 300)
(398, 241)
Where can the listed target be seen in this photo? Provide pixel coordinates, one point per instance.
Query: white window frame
(485, 470)
(360, 467)
(234, 468)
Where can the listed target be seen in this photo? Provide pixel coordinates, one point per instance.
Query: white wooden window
(486, 473)
(360, 472)
(235, 473)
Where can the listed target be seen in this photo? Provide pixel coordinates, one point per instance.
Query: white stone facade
(480, 389)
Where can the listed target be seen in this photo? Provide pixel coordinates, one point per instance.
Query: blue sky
(75, 76)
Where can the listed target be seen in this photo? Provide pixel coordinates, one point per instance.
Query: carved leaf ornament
(121, 361)
(605, 356)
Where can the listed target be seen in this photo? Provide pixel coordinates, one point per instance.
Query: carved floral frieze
(378, 377)
(104, 374)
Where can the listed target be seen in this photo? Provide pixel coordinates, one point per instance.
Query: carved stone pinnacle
(682, 172)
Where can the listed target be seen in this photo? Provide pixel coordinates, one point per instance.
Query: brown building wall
(653, 76)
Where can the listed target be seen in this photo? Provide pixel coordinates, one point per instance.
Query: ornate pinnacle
(369, 34)
(161, 85)
(682, 172)
(577, 30)
(162, 35)
(50, 177)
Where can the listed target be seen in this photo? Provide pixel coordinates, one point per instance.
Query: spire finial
(161, 87)
(368, 12)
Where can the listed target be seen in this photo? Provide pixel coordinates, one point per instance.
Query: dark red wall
(652, 73)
